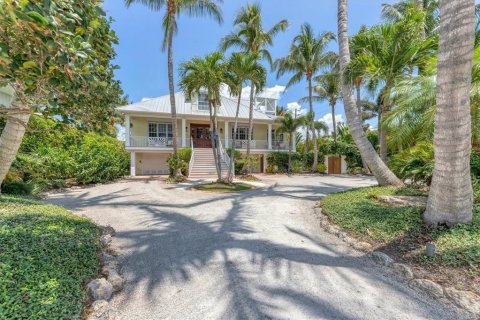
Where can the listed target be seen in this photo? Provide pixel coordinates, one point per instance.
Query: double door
(201, 135)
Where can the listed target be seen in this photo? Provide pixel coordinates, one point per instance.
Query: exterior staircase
(204, 165)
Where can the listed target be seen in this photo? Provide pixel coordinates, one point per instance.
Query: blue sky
(143, 66)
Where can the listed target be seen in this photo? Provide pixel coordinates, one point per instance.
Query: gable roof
(161, 105)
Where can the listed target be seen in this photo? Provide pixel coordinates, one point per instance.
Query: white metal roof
(162, 105)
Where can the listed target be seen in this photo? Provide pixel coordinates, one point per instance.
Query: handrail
(190, 164)
(225, 157)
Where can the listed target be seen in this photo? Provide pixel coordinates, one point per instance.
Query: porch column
(269, 136)
(184, 133)
(127, 130)
(133, 163)
(226, 134)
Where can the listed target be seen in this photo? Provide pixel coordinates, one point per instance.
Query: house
(149, 138)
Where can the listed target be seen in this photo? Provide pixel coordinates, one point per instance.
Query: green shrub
(415, 163)
(46, 255)
(297, 166)
(100, 159)
(53, 155)
(250, 163)
(181, 162)
(321, 168)
(16, 188)
(349, 150)
(280, 160)
(237, 154)
(239, 164)
(475, 164)
(185, 154)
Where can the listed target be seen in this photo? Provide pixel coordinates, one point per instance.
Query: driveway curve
(259, 254)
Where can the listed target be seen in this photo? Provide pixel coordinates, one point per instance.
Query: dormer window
(266, 105)
(203, 103)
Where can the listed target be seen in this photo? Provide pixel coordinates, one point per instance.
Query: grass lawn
(46, 254)
(399, 232)
(222, 187)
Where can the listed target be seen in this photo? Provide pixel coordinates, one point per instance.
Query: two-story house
(149, 138)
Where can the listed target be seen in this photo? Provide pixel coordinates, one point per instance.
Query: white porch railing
(155, 142)
(261, 144)
(224, 156)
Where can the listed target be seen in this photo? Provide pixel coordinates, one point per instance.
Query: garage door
(154, 163)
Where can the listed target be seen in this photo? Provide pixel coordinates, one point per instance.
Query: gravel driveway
(259, 254)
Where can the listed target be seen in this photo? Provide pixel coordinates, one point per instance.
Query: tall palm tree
(289, 125)
(206, 74)
(450, 197)
(173, 8)
(321, 127)
(381, 172)
(327, 88)
(306, 57)
(251, 37)
(387, 52)
(240, 69)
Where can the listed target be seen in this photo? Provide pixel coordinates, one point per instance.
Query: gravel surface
(258, 254)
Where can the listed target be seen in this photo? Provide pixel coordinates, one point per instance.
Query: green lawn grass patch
(46, 255)
(358, 212)
(222, 187)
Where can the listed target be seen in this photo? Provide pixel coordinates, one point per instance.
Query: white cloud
(328, 120)
(294, 106)
(273, 93)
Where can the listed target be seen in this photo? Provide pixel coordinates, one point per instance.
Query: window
(266, 105)
(242, 133)
(203, 103)
(160, 132)
(276, 136)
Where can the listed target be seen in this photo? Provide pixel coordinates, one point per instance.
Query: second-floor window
(242, 133)
(267, 105)
(160, 130)
(203, 103)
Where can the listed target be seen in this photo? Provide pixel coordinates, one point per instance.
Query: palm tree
(307, 55)
(289, 125)
(173, 9)
(206, 74)
(250, 37)
(381, 172)
(386, 53)
(240, 69)
(327, 88)
(450, 197)
(321, 127)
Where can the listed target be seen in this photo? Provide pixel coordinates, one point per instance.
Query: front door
(201, 135)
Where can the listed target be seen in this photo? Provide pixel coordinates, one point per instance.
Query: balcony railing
(260, 144)
(155, 142)
(163, 142)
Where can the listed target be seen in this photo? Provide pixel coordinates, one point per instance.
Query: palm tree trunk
(250, 117)
(213, 138)
(290, 152)
(12, 136)
(450, 197)
(383, 175)
(171, 86)
(312, 125)
(234, 139)
(359, 96)
(334, 123)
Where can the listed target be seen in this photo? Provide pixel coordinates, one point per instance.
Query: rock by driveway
(259, 254)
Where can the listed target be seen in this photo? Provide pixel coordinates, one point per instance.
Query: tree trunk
(358, 83)
(11, 138)
(171, 86)
(312, 126)
(334, 123)
(217, 142)
(290, 152)
(234, 140)
(213, 132)
(450, 198)
(382, 173)
(250, 117)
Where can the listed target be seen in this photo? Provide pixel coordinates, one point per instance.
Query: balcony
(167, 143)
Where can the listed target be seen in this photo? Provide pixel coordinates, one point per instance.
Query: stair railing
(190, 164)
(224, 156)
